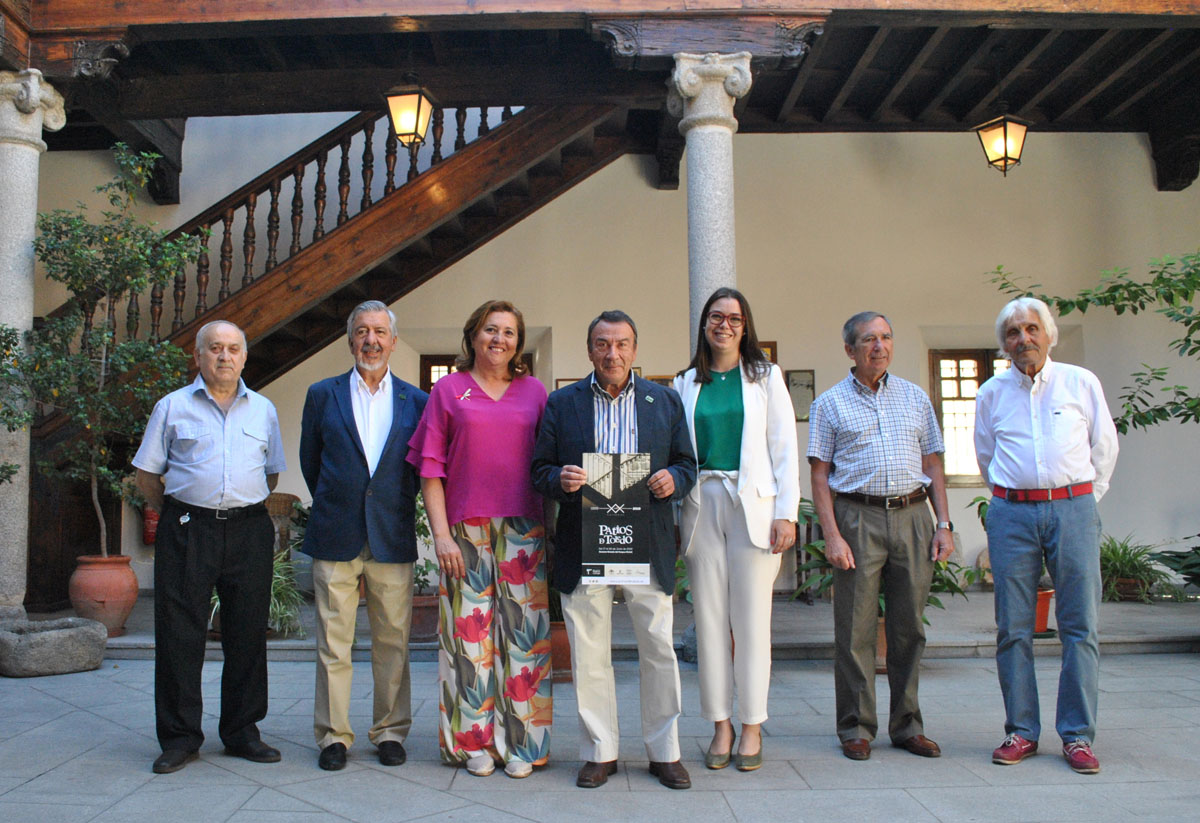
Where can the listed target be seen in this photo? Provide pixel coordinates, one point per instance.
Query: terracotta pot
(104, 589)
(1041, 619)
(1130, 589)
(424, 618)
(560, 652)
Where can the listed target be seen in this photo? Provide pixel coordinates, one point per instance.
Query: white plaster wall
(827, 225)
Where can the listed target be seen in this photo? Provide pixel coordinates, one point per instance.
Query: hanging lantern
(1003, 140)
(410, 107)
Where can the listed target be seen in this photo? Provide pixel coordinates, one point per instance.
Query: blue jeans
(1066, 533)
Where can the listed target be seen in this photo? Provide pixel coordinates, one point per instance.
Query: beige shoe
(481, 765)
(518, 769)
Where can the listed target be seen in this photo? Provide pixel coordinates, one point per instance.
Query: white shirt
(1050, 431)
(372, 415)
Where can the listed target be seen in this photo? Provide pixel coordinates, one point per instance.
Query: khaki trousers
(588, 615)
(389, 610)
(891, 554)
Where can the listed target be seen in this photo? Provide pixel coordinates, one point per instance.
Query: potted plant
(101, 384)
(1128, 570)
(1185, 563)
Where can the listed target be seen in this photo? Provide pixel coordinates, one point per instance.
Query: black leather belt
(887, 502)
(216, 514)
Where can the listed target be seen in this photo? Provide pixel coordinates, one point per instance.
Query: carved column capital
(27, 105)
(703, 87)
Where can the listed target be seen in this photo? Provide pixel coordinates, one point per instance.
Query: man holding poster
(613, 412)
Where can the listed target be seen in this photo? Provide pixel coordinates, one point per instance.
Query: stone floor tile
(887, 768)
(160, 802)
(259, 816)
(591, 805)
(363, 794)
(84, 781)
(43, 813)
(860, 806)
(1030, 803)
(272, 800)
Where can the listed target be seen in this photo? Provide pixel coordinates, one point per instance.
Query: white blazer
(768, 483)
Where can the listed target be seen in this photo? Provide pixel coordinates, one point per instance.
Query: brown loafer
(858, 748)
(672, 775)
(920, 744)
(594, 775)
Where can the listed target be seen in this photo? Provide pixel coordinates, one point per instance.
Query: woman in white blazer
(738, 519)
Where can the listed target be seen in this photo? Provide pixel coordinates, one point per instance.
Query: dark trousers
(190, 559)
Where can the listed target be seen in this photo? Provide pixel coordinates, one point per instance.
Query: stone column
(27, 105)
(701, 91)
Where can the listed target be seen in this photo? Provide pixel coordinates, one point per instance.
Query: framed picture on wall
(661, 379)
(771, 349)
(559, 382)
(801, 385)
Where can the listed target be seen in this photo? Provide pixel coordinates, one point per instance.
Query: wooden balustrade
(237, 215)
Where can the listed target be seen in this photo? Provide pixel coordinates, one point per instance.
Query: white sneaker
(518, 769)
(481, 765)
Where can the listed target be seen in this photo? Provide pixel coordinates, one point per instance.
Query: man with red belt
(874, 443)
(1047, 445)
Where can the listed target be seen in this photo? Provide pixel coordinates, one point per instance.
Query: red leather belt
(1042, 495)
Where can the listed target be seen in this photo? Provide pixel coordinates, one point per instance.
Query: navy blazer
(568, 430)
(351, 508)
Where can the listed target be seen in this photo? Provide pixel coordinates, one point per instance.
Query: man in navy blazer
(613, 411)
(353, 441)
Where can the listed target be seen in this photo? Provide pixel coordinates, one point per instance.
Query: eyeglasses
(716, 318)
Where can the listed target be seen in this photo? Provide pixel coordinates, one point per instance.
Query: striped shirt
(875, 440)
(615, 418)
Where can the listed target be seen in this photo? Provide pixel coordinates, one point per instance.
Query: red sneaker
(1013, 750)
(1080, 758)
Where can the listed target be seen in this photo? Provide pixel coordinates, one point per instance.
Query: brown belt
(1042, 495)
(886, 502)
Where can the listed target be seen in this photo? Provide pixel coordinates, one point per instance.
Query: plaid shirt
(875, 440)
(615, 418)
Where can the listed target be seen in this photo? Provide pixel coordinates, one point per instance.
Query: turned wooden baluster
(273, 226)
(297, 208)
(226, 256)
(248, 237)
(460, 133)
(156, 295)
(484, 128)
(507, 113)
(110, 319)
(132, 313)
(180, 295)
(412, 161)
(344, 181)
(389, 162)
(439, 129)
(319, 191)
(201, 280)
(368, 164)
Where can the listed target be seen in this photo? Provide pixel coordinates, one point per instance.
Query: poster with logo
(616, 519)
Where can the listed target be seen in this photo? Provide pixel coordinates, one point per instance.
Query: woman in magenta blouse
(473, 449)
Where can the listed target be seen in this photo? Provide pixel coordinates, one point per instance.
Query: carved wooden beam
(14, 35)
(1175, 142)
(650, 43)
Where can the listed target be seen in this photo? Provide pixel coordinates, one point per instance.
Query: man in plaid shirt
(876, 455)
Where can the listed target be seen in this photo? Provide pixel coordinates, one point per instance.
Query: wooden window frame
(984, 358)
(429, 361)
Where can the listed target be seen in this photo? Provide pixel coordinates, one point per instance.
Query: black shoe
(333, 757)
(172, 760)
(254, 750)
(391, 753)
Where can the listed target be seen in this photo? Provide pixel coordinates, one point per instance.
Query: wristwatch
(945, 524)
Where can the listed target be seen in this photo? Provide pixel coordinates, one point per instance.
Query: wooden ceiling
(870, 66)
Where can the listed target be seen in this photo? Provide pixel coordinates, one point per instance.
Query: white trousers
(389, 610)
(588, 614)
(731, 582)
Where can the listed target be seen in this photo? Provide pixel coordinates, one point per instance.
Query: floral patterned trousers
(494, 636)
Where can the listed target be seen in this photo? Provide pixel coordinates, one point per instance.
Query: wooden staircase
(459, 194)
(293, 308)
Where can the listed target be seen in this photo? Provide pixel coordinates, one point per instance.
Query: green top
(718, 421)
